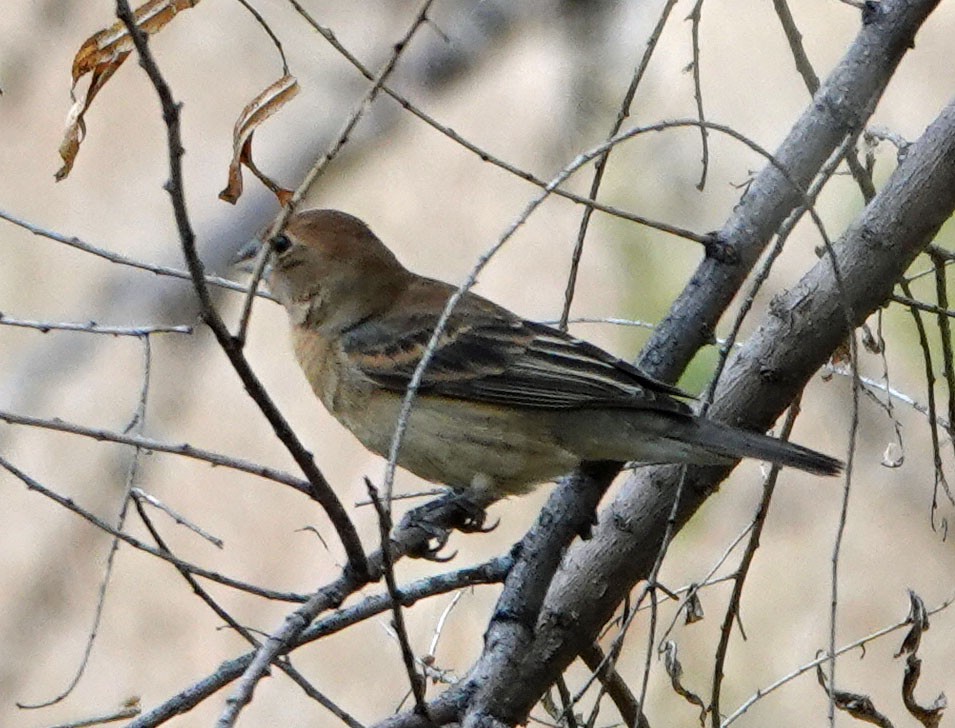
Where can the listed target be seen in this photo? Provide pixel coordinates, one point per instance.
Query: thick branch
(763, 378)
(505, 684)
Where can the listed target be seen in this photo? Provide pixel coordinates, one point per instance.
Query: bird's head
(330, 270)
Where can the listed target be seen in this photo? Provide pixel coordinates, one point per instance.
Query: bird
(504, 404)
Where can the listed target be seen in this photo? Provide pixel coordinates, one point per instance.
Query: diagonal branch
(231, 346)
(763, 378)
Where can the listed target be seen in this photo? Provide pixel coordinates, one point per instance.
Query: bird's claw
(435, 539)
(456, 512)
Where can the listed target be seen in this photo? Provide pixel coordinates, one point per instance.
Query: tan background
(538, 90)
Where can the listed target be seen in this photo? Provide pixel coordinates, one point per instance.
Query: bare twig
(601, 165)
(742, 571)
(398, 619)
(321, 491)
(932, 413)
(137, 422)
(183, 449)
(70, 505)
(922, 306)
(160, 270)
(268, 31)
(127, 711)
(142, 496)
(945, 331)
(91, 327)
(819, 660)
(484, 154)
(695, 21)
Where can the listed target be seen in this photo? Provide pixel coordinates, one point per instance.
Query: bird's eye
(281, 243)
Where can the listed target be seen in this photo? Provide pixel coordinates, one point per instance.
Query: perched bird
(505, 403)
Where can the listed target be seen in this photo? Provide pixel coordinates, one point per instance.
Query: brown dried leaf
(253, 115)
(102, 54)
(694, 607)
(857, 705)
(918, 618)
(109, 44)
(675, 670)
(929, 716)
(75, 125)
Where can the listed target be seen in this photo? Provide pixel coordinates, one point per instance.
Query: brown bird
(505, 403)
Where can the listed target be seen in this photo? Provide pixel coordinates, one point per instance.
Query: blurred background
(532, 83)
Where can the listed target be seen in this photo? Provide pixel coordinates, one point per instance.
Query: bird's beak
(245, 256)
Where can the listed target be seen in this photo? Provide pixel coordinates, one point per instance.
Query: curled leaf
(918, 618)
(694, 607)
(101, 55)
(857, 705)
(929, 716)
(675, 670)
(267, 103)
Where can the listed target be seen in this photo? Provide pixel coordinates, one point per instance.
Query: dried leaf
(75, 125)
(101, 55)
(858, 706)
(893, 456)
(253, 115)
(675, 671)
(918, 618)
(694, 607)
(109, 44)
(931, 716)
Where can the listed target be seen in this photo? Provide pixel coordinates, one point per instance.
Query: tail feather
(732, 442)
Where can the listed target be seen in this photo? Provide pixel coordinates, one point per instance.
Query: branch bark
(803, 327)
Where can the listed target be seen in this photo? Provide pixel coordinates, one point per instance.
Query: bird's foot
(437, 518)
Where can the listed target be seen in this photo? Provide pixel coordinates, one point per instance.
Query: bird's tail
(734, 443)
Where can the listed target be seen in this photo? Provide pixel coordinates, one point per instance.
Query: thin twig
(397, 615)
(695, 22)
(932, 413)
(733, 607)
(91, 327)
(183, 449)
(160, 270)
(268, 30)
(861, 175)
(484, 155)
(601, 165)
(123, 713)
(945, 332)
(820, 659)
(922, 306)
(442, 621)
(144, 497)
(695, 588)
(137, 423)
(70, 505)
(321, 490)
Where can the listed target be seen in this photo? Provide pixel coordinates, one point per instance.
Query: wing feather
(491, 356)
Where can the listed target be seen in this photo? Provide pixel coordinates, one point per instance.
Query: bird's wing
(487, 354)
